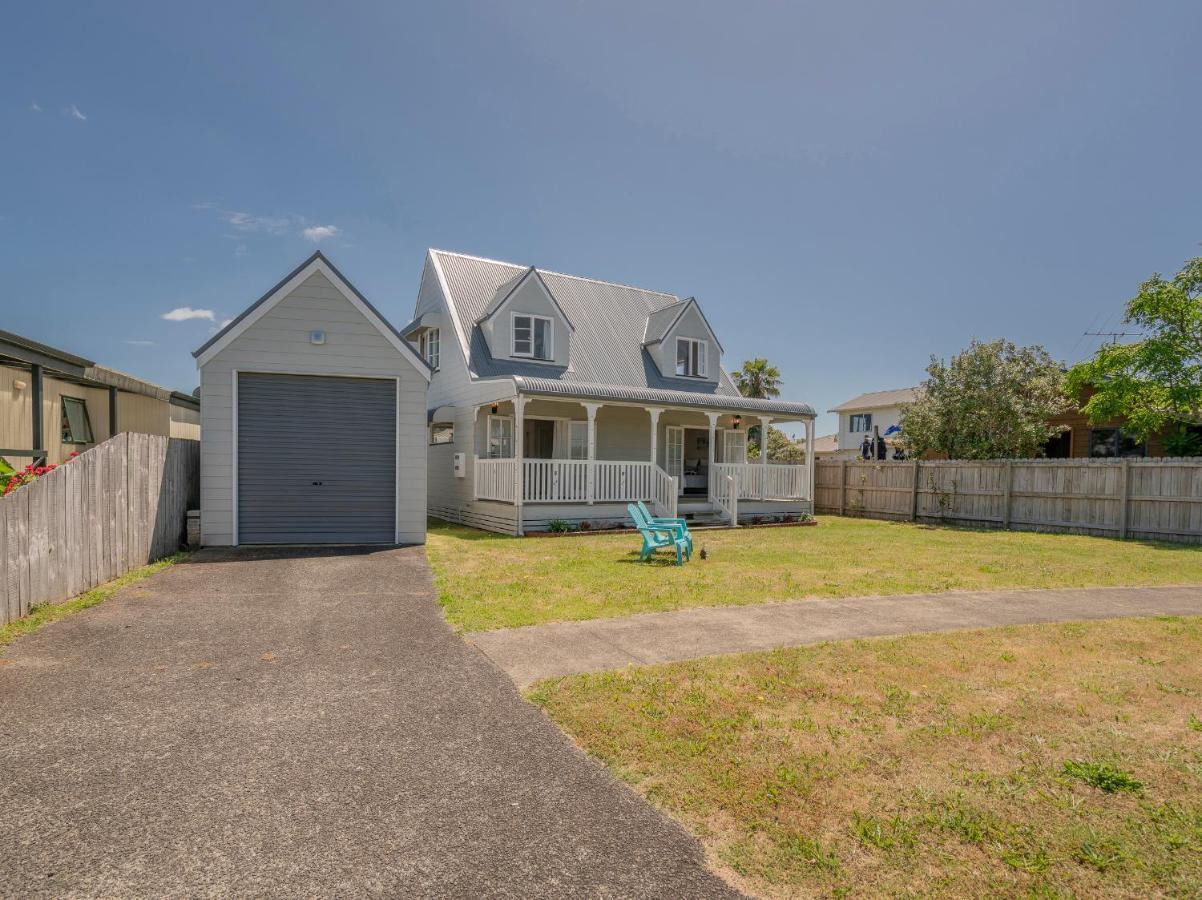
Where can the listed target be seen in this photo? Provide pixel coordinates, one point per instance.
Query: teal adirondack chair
(656, 536)
(680, 525)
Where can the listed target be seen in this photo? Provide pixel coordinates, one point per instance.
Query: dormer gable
(681, 342)
(525, 322)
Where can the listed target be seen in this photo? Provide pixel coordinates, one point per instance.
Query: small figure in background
(866, 448)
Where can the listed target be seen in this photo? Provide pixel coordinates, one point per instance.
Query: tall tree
(1155, 382)
(993, 401)
(758, 379)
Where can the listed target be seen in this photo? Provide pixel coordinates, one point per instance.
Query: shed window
(442, 433)
(532, 337)
(429, 343)
(690, 357)
(861, 422)
(77, 427)
(1112, 442)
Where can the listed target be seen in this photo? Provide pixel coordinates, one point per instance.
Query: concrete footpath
(563, 648)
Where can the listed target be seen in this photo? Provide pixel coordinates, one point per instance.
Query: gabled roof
(661, 322)
(505, 291)
(878, 399)
(315, 263)
(610, 325)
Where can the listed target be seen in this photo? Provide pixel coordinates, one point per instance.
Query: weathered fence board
(1159, 499)
(116, 507)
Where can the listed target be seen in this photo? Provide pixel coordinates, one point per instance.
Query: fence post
(914, 493)
(1124, 495)
(1007, 489)
(842, 487)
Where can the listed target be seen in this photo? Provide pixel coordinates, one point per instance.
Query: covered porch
(580, 458)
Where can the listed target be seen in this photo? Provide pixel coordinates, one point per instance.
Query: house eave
(589, 391)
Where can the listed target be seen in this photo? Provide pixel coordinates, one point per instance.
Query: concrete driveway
(302, 723)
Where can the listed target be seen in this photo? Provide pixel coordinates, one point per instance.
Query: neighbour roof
(611, 324)
(827, 443)
(877, 399)
(22, 351)
(592, 391)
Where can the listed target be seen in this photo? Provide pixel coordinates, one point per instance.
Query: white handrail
(759, 481)
(724, 494)
(666, 491)
(494, 479)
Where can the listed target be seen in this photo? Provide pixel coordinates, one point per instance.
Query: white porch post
(810, 459)
(764, 424)
(654, 412)
(590, 410)
(519, 408)
(713, 417)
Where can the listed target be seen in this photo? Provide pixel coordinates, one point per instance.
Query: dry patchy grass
(492, 581)
(1051, 760)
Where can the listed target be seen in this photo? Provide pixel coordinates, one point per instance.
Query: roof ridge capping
(542, 271)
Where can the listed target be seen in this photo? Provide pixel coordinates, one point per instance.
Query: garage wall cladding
(316, 460)
(278, 343)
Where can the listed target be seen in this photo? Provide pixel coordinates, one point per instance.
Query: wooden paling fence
(1157, 499)
(118, 506)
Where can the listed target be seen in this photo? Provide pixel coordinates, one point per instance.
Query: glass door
(674, 454)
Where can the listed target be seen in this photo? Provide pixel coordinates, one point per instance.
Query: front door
(674, 454)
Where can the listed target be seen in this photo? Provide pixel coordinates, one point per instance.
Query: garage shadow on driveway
(276, 721)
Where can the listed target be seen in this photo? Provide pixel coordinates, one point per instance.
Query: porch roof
(583, 390)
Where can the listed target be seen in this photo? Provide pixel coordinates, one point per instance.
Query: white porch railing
(495, 479)
(758, 481)
(568, 481)
(724, 493)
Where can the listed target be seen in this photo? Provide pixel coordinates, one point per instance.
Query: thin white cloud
(241, 250)
(247, 222)
(184, 313)
(140, 343)
(318, 233)
(34, 106)
(74, 113)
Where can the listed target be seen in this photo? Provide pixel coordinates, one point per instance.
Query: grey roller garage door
(316, 460)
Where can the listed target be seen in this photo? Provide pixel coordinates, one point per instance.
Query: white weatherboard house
(313, 421)
(862, 416)
(556, 397)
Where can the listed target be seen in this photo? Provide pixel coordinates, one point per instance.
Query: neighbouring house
(826, 446)
(557, 398)
(313, 420)
(1082, 439)
(867, 414)
(54, 403)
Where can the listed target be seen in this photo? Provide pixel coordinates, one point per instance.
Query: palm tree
(758, 379)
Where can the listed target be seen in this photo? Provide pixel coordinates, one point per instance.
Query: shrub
(11, 479)
(559, 526)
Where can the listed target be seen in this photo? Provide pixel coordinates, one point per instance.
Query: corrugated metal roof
(661, 320)
(610, 326)
(877, 399)
(737, 403)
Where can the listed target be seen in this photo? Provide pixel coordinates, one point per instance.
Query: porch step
(700, 513)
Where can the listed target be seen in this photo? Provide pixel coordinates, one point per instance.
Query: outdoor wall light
(737, 421)
(494, 409)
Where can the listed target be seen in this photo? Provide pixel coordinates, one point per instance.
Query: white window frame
(443, 425)
(866, 422)
(513, 335)
(577, 427)
(488, 454)
(430, 345)
(695, 358)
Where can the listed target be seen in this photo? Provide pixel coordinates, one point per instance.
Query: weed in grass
(884, 834)
(1195, 723)
(1103, 776)
(1099, 852)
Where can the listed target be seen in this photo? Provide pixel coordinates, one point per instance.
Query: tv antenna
(1113, 335)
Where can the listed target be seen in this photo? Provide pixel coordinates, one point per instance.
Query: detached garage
(315, 427)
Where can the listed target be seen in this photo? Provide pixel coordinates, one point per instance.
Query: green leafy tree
(781, 447)
(758, 379)
(992, 401)
(1154, 383)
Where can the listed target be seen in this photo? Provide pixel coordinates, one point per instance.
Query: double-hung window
(690, 357)
(429, 345)
(77, 427)
(442, 433)
(579, 440)
(532, 336)
(500, 437)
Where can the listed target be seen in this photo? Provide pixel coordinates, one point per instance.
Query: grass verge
(1048, 760)
(45, 613)
(488, 580)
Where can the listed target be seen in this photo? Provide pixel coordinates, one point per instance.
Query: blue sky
(846, 188)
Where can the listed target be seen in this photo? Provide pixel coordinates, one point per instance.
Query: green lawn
(492, 581)
(1051, 760)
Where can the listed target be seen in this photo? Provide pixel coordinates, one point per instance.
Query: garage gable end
(316, 281)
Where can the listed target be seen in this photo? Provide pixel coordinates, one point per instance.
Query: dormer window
(690, 358)
(532, 337)
(429, 345)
